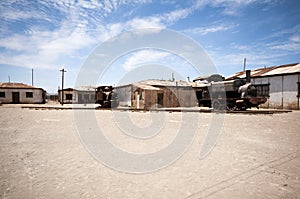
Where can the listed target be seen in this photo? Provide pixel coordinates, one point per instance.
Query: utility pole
(32, 77)
(8, 79)
(244, 64)
(62, 85)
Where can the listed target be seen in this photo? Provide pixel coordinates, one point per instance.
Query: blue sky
(49, 35)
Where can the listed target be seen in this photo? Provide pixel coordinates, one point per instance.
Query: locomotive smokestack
(248, 76)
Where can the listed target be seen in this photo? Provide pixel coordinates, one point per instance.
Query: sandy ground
(42, 156)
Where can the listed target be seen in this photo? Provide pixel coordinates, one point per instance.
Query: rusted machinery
(106, 97)
(220, 94)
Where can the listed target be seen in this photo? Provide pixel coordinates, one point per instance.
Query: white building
(21, 93)
(279, 83)
(82, 95)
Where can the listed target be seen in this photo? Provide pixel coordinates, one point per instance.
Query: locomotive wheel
(231, 106)
(216, 105)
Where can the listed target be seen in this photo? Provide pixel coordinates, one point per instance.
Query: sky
(48, 35)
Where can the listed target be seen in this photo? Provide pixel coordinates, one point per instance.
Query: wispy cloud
(292, 45)
(74, 27)
(209, 29)
(230, 7)
(144, 57)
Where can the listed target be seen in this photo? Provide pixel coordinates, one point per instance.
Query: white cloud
(43, 49)
(177, 14)
(230, 7)
(292, 45)
(210, 29)
(77, 27)
(295, 38)
(147, 22)
(144, 57)
(158, 21)
(81, 27)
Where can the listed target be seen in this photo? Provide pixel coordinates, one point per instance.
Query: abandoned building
(81, 95)
(281, 84)
(156, 93)
(21, 93)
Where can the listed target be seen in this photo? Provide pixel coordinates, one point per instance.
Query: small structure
(156, 93)
(281, 84)
(80, 95)
(21, 93)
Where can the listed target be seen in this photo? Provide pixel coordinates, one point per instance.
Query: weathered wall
(275, 99)
(74, 96)
(290, 92)
(172, 97)
(85, 97)
(124, 94)
(38, 96)
(187, 97)
(283, 91)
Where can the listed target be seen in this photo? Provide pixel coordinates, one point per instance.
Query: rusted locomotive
(220, 94)
(106, 97)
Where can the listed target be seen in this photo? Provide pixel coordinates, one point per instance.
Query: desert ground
(43, 156)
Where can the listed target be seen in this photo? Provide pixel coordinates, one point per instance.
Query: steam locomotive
(220, 94)
(106, 97)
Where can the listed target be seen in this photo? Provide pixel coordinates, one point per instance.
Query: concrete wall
(37, 97)
(290, 92)
(74, 97)
(85, 97)
(78, 97)
(283, 91)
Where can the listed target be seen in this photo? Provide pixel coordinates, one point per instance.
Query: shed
(156, 93)
(21, 93)
(279, 83)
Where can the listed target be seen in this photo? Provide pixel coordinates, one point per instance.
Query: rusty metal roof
(269, 71)
(16, 85)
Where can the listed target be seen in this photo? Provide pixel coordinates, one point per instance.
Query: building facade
(156, 93)
(82, 95)
(279, 83)
(21, 93)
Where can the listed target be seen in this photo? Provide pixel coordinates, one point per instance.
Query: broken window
(2, 94)
(29, 94)
(69, 96)
(263, 90)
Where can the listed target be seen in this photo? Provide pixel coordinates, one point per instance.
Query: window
(29, 95)
(263, 90)
(86, 96)
(69, 96)
(2, 94)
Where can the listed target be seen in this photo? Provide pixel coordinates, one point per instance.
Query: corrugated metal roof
(16, 85)
(155, 82)
(86, 88)
(146, 87)
(269, 71)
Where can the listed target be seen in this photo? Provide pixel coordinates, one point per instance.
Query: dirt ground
(42, 156)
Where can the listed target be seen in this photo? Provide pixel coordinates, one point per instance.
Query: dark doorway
(16, 97)
(160, 99)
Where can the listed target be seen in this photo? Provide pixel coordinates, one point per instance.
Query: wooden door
(16, 97)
